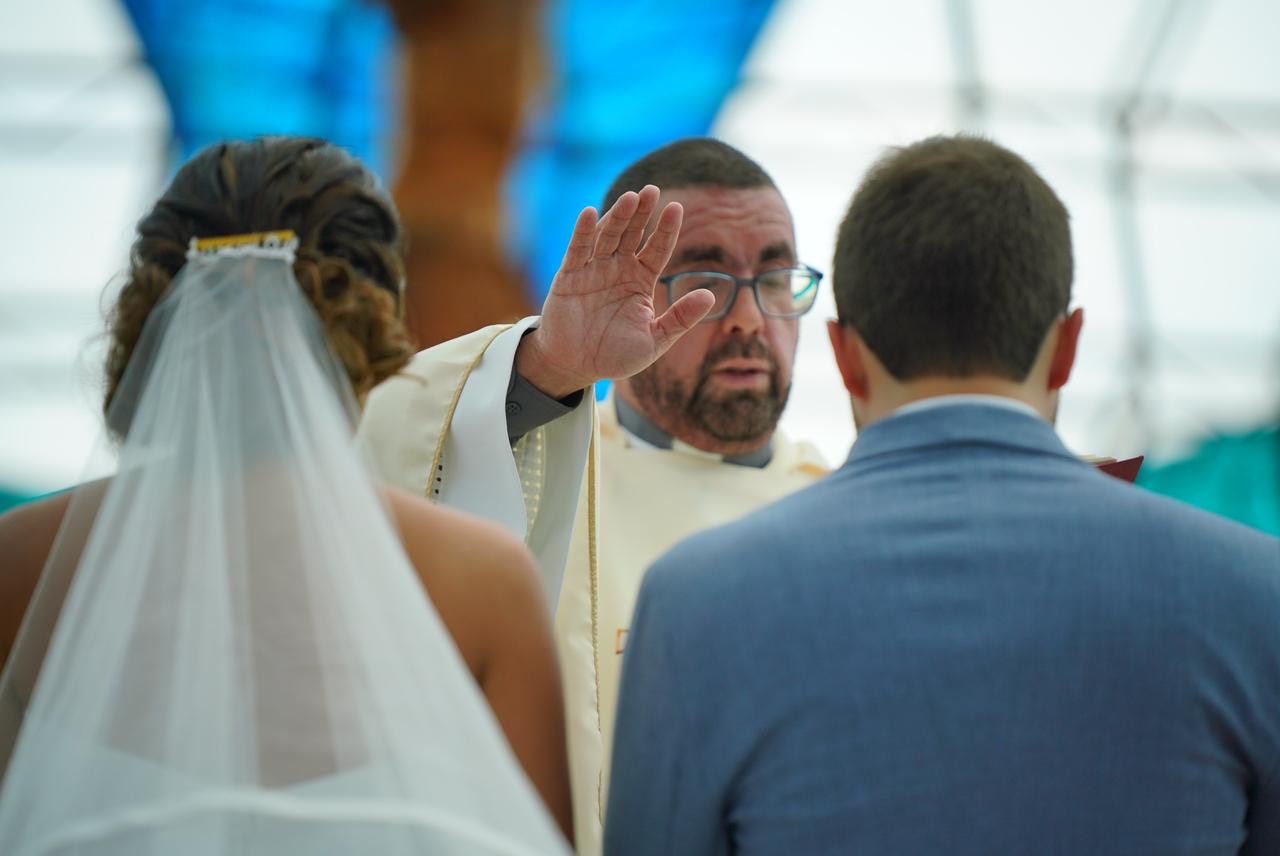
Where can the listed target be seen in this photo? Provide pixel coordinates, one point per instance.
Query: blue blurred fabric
(240, 68)
(626, 77)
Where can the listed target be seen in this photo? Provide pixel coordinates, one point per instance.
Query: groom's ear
(1064, 351)
(848, 349)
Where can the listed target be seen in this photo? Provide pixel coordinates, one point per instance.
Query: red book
(1126, 470)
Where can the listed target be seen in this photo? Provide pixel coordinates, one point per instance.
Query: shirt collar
(967, 398)
(982, 422)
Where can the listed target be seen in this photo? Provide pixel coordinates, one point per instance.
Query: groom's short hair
(690, 162)
(953, 260)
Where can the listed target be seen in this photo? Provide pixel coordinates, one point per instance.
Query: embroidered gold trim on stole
(593, 576)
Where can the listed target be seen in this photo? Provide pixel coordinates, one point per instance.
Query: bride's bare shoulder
(27, 532)
(26, 537)
(445, 533)
(482, 579)
(450, 547)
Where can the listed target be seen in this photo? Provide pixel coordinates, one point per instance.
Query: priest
(696, 316)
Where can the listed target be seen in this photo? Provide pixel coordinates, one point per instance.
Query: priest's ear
(851, 358)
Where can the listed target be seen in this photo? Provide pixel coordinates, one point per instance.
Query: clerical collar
(640, 429)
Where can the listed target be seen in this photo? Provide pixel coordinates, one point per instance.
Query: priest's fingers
(634, 232)
(614, 222)
(656, 251)
(583, 239)
(680, 318)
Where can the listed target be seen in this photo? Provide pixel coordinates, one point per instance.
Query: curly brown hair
(348, 260)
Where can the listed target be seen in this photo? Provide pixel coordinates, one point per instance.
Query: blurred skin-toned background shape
(469, 70)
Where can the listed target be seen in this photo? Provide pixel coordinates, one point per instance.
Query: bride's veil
(229, 651)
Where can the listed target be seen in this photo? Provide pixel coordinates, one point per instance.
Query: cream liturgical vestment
(649, 499)
(439, 429)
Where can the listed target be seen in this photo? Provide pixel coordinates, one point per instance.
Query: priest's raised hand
(599, 320)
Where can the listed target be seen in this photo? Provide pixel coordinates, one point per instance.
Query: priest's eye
(783, 293)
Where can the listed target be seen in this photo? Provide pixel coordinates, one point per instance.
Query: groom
(964, 641)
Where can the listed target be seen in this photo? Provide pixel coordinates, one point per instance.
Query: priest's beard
(728, 416)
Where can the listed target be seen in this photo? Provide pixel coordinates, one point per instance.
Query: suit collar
(958, 423)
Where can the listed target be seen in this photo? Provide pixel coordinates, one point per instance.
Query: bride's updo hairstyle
(348, 258)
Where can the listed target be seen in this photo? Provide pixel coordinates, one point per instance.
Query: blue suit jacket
(963, 641)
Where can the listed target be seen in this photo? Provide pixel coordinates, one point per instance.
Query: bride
(242, 645)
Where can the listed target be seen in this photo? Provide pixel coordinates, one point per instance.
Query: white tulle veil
(229, 651)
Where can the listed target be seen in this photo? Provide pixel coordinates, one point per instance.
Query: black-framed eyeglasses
(782, 293)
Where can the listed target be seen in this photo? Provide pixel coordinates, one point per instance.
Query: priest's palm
(599, 320)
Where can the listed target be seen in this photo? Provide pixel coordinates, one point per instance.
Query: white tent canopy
(1158, 122)
(83, 137)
